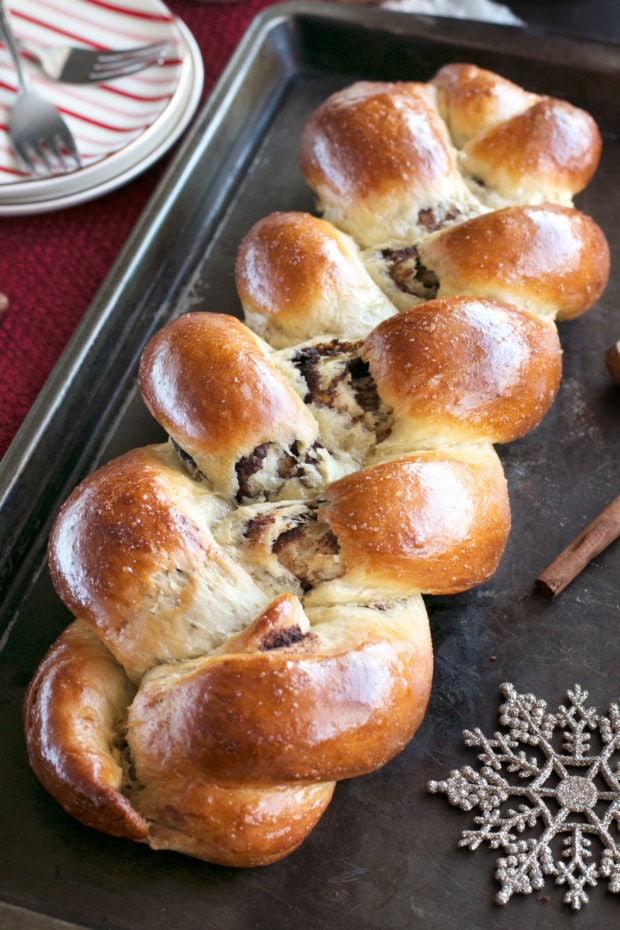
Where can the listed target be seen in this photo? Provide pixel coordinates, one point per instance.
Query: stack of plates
(120, 127)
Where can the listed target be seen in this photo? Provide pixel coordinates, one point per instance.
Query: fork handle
(6, 32)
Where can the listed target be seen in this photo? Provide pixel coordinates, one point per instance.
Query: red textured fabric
(51, 265)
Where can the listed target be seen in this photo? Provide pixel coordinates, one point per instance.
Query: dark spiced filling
(288, 463)
(255, 527)
(279, 639)
(409, 274)
(306, 547)
(310, 552)
(364, 386)
(188, 461)
(308, 360)
(249, 465)
(323, 390)
(431, 221)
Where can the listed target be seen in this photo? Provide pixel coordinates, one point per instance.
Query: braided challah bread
(248, 597)
(391, 162)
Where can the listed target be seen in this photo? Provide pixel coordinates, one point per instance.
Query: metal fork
(89, 66)
(41, 138)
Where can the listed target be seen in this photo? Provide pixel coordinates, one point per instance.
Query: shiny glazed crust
(484, 392)
(298, 276)
(73, 719)
(184, 370)
(390, 162)
(250, 625)
(549, 259)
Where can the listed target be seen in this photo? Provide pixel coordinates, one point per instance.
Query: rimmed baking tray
(385, 854)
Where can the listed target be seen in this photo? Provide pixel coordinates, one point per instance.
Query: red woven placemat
(52, 264)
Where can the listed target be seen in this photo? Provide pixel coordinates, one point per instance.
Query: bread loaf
(248, 597)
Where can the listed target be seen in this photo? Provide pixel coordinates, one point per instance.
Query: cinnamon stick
(612, 360)
(599, 534)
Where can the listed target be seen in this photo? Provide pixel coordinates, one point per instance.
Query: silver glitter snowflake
(566, 790)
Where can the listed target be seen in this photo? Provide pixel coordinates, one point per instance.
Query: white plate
(155, 105)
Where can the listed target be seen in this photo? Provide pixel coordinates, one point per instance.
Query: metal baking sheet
(386, 853)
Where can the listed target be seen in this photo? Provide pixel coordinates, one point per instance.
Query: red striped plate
(118, 126)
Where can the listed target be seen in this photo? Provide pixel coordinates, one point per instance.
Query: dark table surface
(597, 18)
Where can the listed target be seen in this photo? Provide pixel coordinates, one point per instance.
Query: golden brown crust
(74, 714)
(131, 554)
(186, 373)
(472, 100)
(298, 276)
(551, 259)
(268, 720)
(354, 142)
(386, 169)
(243, 826)
(436, 522)
(252, 626)
(547, 153)
(316, 709)
(379, 158)
(460, 369)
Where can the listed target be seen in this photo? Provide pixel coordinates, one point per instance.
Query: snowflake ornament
(569, 795)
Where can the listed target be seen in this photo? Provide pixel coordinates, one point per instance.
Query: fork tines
(115, 63)
(47, 157)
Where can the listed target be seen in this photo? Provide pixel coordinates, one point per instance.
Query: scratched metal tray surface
(386, 853)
